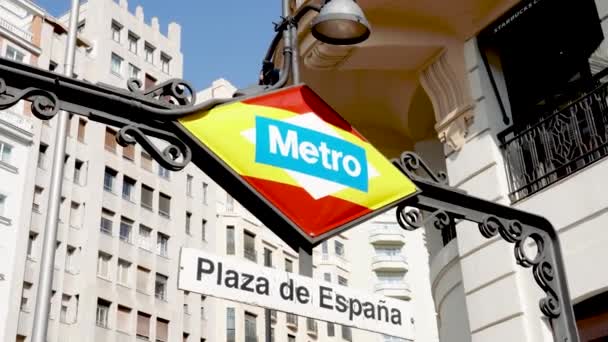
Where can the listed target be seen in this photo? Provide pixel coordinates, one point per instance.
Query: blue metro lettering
(310, 152)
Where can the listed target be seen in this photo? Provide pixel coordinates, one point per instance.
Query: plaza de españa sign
(230, 278)
(310, 169)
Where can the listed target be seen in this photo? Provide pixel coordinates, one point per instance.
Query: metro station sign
(310, 169)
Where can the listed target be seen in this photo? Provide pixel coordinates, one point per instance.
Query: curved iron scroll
(446, 205)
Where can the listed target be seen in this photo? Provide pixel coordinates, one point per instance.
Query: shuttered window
(143, 325)
(162, 329)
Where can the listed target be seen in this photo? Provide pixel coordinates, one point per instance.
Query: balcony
(389, 263)
(572, 138)
(292, 321)
(396, 289)
(27, 35)
(387, 236)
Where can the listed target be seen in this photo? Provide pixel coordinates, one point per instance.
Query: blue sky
(220, 38)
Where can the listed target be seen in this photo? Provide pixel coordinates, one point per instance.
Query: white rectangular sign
(233, 279)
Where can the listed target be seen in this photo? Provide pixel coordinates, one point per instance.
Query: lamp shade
(341, 22)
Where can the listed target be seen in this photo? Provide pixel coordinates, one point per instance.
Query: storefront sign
(306, 162)
(231, 278)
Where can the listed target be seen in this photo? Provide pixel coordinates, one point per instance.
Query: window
(164, 205)
(163, 173)
(229, 203)
(203, 307)
(81, 26)
(162, 330)
(105, 225)
(271, 334)
(249, 246)
(14, 54)
(128, 188)
(204, 230)
(103, 309)
(186, 302)
(142, 279)
(205, 189)
(288, 265)
(42, 149)
(82, 128)
(37, 199)
(143, 325)
(78, 172)
(267, 257)
(126, 230)
(116, 29)
(110, 140)
(339, 248)
(123, 318)
(133, 40)
(146, 161)
(116, 64)
(311, 325)
(160, 286)
(331, 329)
(189, 179)
(76, 215)
(165, 63)
(144, 236)
(2, 204)
(251, 334)
(347, 333)
(128, 152)
(230, 240)
(65, 306)
(292, 319)
(291, 338)
(147, 194)
(5, 152)
(149, 81)
(26, 295)
(162, 244)
(31, 244)
(124, 268)
(390, 277)
(327, 277)
(134, 72)
(388, 251)
(149, 53)
(103, 265)
(70, 256)
(52, 66)
(188, 220)
(342, 281)
(230, 325)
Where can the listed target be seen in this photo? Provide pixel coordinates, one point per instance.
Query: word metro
(310, 152)
(229, 278)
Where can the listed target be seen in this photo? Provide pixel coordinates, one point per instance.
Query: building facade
(509, 98)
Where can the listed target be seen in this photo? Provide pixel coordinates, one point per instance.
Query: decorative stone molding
(451, 102)
(325, 56)
(454, 127)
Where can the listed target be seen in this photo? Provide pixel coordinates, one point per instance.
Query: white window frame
(165, 63)
(116, 30)
(103, 265)
(101, 316)
(19, 56)
(133, 42)
(123, 274)
(134, 72)
(3, 200)
(6, 151)
(120, 60)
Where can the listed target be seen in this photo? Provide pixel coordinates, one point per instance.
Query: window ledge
(5, 221)
(126, 286)
(104, 278)
(142, 292)
(8, 167)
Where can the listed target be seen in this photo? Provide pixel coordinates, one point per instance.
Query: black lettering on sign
(247, 278)
(382, 308)
(302, 294)
(262, 286)
(355, 308)
(395, 316)
(288, 286)
(204, 266)
(325, 293)
(340, 303)
(369, 310)
(232, 279)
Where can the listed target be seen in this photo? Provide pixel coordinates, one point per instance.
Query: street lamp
(341, 22)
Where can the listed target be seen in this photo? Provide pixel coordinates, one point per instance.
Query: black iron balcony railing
(573, 137)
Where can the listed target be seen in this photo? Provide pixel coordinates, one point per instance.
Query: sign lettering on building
(305, 161)
(230, 278)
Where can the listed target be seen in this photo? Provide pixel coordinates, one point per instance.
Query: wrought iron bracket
(447, 205)
(143, 113)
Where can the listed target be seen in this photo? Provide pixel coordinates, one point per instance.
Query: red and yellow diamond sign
(302, 157)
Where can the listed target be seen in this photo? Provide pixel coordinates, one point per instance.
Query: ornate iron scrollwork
(412, 218)
(173, 92)
(44, 104)
(411, 165)
(542, 266)
(169, 157)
